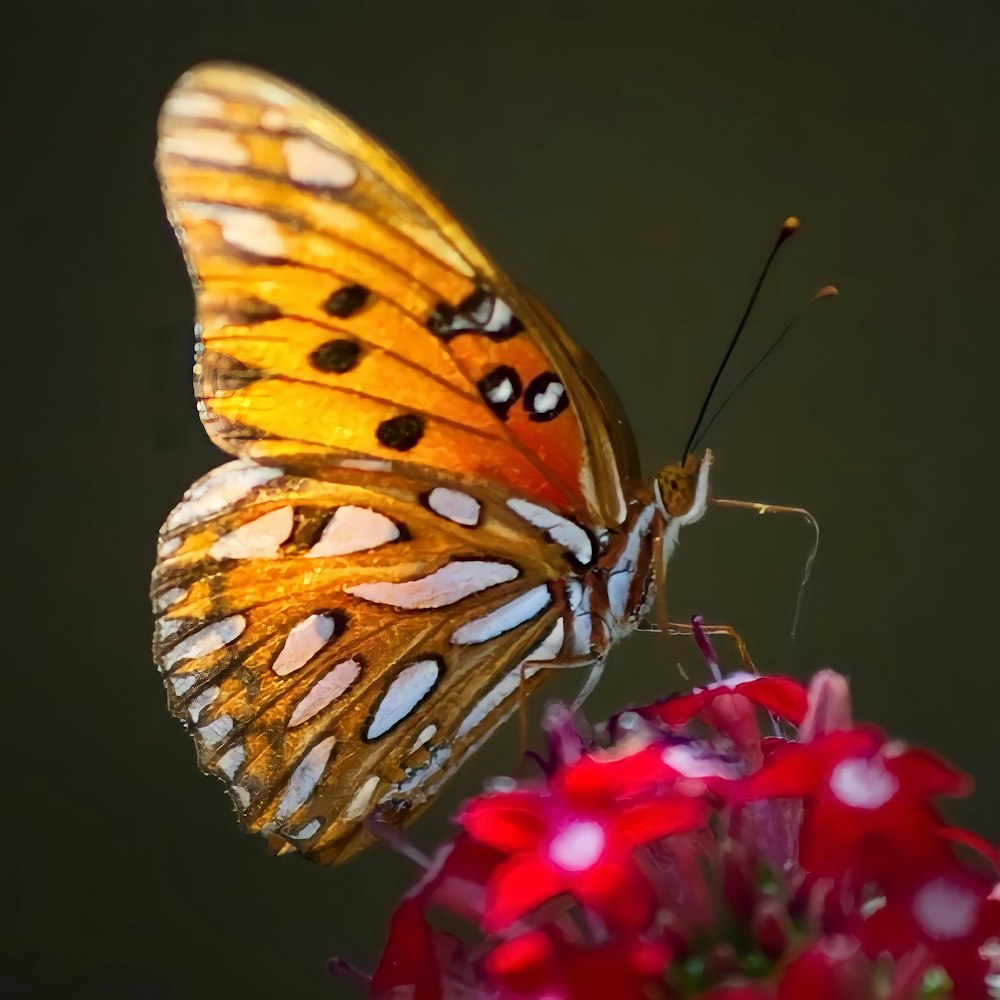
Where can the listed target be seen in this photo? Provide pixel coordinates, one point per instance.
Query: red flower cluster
(688, 856)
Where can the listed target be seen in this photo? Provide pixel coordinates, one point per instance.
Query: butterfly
(435, 497)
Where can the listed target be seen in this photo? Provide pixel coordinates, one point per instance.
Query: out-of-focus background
(630, 164)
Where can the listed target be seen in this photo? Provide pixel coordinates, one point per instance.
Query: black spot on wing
(337, 356)
(481, 313)
(500, 389)
(545, 397)
(347, 301)
(400, 433)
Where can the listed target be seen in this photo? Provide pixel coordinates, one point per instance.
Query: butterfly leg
(767, 508)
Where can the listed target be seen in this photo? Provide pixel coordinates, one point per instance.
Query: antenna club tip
(791, 224)
(826, 292)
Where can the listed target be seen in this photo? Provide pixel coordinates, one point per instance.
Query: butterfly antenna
(826, 292)
(790, 225)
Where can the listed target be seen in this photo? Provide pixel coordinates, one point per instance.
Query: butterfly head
(682, 490)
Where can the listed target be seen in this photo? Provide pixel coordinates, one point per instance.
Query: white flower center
(945, 910)
(864, 784)
(577, 847)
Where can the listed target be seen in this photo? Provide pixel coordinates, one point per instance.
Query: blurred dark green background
(629, 162)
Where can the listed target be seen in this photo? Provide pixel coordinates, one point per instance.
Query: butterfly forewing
(343, 310)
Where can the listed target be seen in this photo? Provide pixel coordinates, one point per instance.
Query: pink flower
(687, 856)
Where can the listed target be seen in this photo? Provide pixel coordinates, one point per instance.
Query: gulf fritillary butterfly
(435, 492)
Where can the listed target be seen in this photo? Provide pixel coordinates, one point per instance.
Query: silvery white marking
(621, 576)
(244, 228)
(169, 598)
(501, 392)
(206, 640)
(274, 119)
(546, 402)
(206, 144)
(182, 685)
(201, 701)
(560, 530)
(445, 586)
(698, 507)
(221, 488)
(504, 618)
(548, 649)
(329, 687)
(582, 626)
(408, 689)
(230, 762)
(304, 641)
(454, 505)
(310, 163)
(305, 778)
(194, 104)
(307, 831)
(353, 529)
(358, 805)
(257, 539)
(366, 464)
(166, 627)
(169, 547)
(216, 731)
(439, 756)
(424, 737)
(242, 795)
(499, 317)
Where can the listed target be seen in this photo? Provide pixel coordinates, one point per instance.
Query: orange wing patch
(343, 311)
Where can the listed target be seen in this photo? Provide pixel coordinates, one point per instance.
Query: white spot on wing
(208, 145)
(206, 640)
(548, 649)
(307, 831)
(168, 598)
(229, 763)
(548, 400)
(358, 805)
(181, 685)
(354, 529)
(194, 104)
(561, 530)
(408, 689)
(504, 618)
(329, 687)
(169, 547)
(304, 641)
(621, 576)
(424, 737)
(454, 505)
(442, 587)
(310, 163)
(202, 701)
(305, 778)
(218, 490)
(216, 731)
(257, 539)
(244, 228)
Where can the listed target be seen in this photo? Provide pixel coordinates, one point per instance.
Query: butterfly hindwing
(339, 643)
(343, 311)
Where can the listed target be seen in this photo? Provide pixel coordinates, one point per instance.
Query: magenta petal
(508, 821)
(640, 824)
(518, 886)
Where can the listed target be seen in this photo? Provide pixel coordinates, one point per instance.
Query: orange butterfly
(436, 494)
